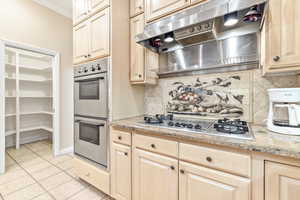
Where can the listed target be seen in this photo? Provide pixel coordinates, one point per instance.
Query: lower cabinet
(196, 182)
(155, 177)
(121, 171)
(282, 182)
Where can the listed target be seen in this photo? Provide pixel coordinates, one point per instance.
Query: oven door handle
(84, 79)
(92, 123)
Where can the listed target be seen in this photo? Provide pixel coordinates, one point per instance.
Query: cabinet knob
(209, 159)
(140, 76)
(153, 146)
(172, 168)
(126, 154)
(89, 55)
(120, 137)
(88, 174)
(140, 7)
(85, 56)
(276, 58)
(182, 171)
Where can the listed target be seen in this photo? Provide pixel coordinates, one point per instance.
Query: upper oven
(91, 90)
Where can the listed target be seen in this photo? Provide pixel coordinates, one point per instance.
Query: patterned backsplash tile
(234, 95)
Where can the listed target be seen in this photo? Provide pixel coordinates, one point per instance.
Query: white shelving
(28, 93)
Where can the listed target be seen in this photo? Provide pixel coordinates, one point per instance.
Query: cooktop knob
(98, 67)
(198, 126)
(171, 124)
(93, 69)
(190, 126)
(177, 124)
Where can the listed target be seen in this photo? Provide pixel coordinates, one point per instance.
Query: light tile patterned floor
(32, 172)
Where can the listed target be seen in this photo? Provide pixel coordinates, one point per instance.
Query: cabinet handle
(120, 138)
(140, 7)
(209, 159)
(153, 146)
(182, 171)
(172, 168)
(126, 154)
(276, 58)
(89, 55)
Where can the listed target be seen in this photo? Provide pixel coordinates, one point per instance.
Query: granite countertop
(265, 141)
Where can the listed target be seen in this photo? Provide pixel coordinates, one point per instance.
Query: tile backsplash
(235, 94)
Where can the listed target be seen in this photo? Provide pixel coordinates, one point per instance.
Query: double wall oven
(91, 111)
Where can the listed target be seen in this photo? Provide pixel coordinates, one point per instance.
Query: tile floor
(32, 172)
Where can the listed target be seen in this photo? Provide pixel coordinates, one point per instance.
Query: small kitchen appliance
(284, 111)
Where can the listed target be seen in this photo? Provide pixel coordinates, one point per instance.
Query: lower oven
(91, 139)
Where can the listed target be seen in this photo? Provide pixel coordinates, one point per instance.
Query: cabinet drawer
(228, 161)
(158, 145)
(121, 137)
(91, 174)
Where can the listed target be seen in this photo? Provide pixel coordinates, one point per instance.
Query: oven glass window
(89, 133)
(89, 90)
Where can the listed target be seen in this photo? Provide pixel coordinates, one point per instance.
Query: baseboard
(25, 139)
(66, 151)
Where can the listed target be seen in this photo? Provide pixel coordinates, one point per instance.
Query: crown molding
(53, 6)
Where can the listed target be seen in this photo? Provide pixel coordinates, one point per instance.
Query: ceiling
(63, 7)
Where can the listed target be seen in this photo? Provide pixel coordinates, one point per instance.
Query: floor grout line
(65, 171)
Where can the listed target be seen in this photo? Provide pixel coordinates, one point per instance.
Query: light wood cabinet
(121, 172)
(99, 35)
(136, 7)
(83, 9)
(91, 38)
(280, 37)
(155, 9)
(81, 42)
(282, 182)
(96, 5)
(154, 176)
(196, 182)
(137, 54)
(80, 10)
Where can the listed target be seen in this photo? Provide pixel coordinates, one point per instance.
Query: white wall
(28, 22)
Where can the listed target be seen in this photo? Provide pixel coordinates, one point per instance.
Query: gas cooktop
(224, 127)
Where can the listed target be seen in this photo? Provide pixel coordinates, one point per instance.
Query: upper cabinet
(158, 8)
(91, 38)
(280, 37)
(136, 7)
(282, 182)
(82, 9)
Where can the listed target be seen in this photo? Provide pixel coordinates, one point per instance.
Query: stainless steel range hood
(204, 19)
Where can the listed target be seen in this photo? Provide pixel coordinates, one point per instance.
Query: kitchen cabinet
(80, 10)
(136, 7)
(80, 42)
(137, 54)
(91, 38)
(121, 171)
(83, 9)
(99, 35)
(196, 182)
(282, 182)
(280, 37)
(96, 5)
(155, 9)
(154, 176)
(144, 63)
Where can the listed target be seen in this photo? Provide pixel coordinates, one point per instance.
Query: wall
(28, 22)
(249, 87)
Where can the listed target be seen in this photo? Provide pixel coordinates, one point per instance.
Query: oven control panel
(94, 67)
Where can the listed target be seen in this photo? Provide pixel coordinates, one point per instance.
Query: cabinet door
(196, 182)
(137, 54)
(121, 172)
(158, 8)
(99, 35)
(80, 42)
(155, 177)
(282, 35)
(80, 10)
(96, 5)
(136, 7)
(282, 182)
